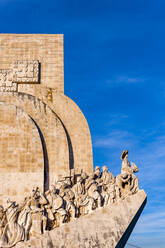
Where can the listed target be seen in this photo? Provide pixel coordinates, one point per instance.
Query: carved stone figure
(127, 181)
(82, 200)
(108, 186)
(68, 196)
(112, 192)
(3, 220)
(84, 176)
(125, 166)
(97, 173)
(107, 176)
(123, 182)
(92, 190)
(134, 186)
(56, 206)
(97, 178)
(13, 232)
(37, 203)
(25, 216)
(118, 192)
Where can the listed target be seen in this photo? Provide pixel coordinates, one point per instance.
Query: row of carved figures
(64, 201)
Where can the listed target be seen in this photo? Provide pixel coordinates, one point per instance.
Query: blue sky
(114, 70)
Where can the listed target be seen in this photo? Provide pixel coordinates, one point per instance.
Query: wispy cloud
(126, 80)
(150, 158)
(115, 139)
(150, 155)
(115, 119)
(150, 230)
(151, 223)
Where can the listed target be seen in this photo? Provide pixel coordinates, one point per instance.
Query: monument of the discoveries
(49, 194)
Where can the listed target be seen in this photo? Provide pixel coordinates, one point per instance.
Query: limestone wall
(46, 48)
(43, 134)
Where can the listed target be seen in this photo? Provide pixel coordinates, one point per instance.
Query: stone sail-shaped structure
(44, 135)
(49, 195)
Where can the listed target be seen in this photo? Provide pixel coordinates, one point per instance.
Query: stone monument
(49, 194)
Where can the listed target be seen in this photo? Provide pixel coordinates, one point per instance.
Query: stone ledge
(107, 227)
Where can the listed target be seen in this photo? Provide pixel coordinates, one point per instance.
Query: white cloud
(115, 139)
(151, 223)
(126, 80)
(150, 157)
(116, 118)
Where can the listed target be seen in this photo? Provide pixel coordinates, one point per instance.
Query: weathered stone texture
(47, 49)
(103, 228)
(26, 71)
(44, 134)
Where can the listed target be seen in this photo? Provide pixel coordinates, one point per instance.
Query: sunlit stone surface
(49, 195)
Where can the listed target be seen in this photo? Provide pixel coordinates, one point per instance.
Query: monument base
(107, 227)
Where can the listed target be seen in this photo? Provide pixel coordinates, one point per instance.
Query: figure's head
(105, 168)
(84, 175)
(67, 182)
(134, 167)
(97, 170)
(124, 175)
(79, 179)
(53, 188)
(35, 191)
(11, 204)
(124, 154)
(91, 176)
